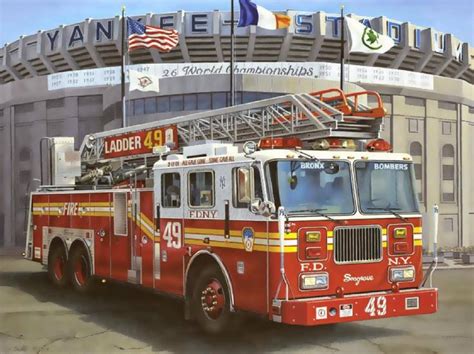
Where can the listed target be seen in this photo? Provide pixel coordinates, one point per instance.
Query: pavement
(36, 317)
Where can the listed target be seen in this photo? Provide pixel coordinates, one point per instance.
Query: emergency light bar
(280, 143)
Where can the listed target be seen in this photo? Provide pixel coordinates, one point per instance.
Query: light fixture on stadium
(280, 143)
(379, 145)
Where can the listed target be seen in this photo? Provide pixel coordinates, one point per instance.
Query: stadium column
(8, 185)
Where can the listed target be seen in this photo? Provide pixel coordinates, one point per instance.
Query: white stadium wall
(63, 82)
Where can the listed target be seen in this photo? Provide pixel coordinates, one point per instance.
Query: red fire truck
(291, 208)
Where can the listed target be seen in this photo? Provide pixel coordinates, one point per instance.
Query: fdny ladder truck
(291, 208)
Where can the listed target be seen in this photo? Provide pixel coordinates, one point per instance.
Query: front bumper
(357, 307)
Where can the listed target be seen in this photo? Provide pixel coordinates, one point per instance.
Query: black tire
(215, 321)
(57, 267)
(80, 272)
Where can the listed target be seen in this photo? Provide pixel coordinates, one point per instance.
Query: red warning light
(279, 143)
(379, 145)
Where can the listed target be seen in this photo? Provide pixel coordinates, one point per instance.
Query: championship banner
(324, 71)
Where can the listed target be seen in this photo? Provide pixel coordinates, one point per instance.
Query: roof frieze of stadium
(204, 36)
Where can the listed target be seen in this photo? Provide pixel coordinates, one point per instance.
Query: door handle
(226, 221)
(157, 218)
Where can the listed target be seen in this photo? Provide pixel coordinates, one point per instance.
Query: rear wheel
(57, 269)
(80, 270)
(210, 302)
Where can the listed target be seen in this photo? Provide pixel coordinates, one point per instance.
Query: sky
(18, 17)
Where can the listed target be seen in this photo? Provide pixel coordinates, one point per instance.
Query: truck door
(101, 205)
(169, 190)
(146, 237)
(252, 231)
(120, 243)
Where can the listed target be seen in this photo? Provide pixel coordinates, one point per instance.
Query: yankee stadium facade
(66, 82)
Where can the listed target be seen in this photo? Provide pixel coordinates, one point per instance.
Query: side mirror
(259, 207)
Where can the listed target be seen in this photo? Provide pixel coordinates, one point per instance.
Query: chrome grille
(360, 244)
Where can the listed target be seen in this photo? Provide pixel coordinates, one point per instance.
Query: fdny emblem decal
(248, 238)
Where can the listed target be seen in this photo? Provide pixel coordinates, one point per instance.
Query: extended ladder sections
(308, 116)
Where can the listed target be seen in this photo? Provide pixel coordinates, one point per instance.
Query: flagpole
(231, 78)
(342, 49)
(124, 107)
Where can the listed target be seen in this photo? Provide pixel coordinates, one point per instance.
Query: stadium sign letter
(101, 29)
(197, 24)
(166, 21)
(304, 24)
(335, 24)
(438, 42)
(366, 22)
(458, 53)
(53, 38)
(394, 31)
(417, 38)
(76, 35)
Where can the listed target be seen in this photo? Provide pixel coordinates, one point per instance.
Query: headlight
(314, 281)
(313, 236)
(400, 233)
(402, 274)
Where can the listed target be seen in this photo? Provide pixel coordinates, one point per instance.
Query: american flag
(143, 36)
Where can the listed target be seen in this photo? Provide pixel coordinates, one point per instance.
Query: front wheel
(210, 303)
(80, 270)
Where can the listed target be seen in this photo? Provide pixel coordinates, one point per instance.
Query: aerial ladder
(307, 116)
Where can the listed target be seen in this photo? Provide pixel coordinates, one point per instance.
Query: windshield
(385, 187)
(312, 187)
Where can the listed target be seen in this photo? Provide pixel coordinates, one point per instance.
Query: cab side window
(201, 189)
(170, 190)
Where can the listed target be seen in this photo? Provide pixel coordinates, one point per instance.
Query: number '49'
(153, 138)
(172, 235)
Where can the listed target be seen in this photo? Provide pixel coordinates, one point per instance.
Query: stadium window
(204, 101)
(265, 95)
(249, 97)
(219, 100)
(201, 189)
(450, 106)
(150, 105)
(25, 176)
(129, 105)
(448, 171)
(25, 154)
(414, 101)
(170, 190)
(190, 102)
(56, 103)
(238, 98)
(412, 125)
(448, 150)
(176, 103)
(416, 151)
(139, 107)
(446, 128)
(163, 104)
(448, 225)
